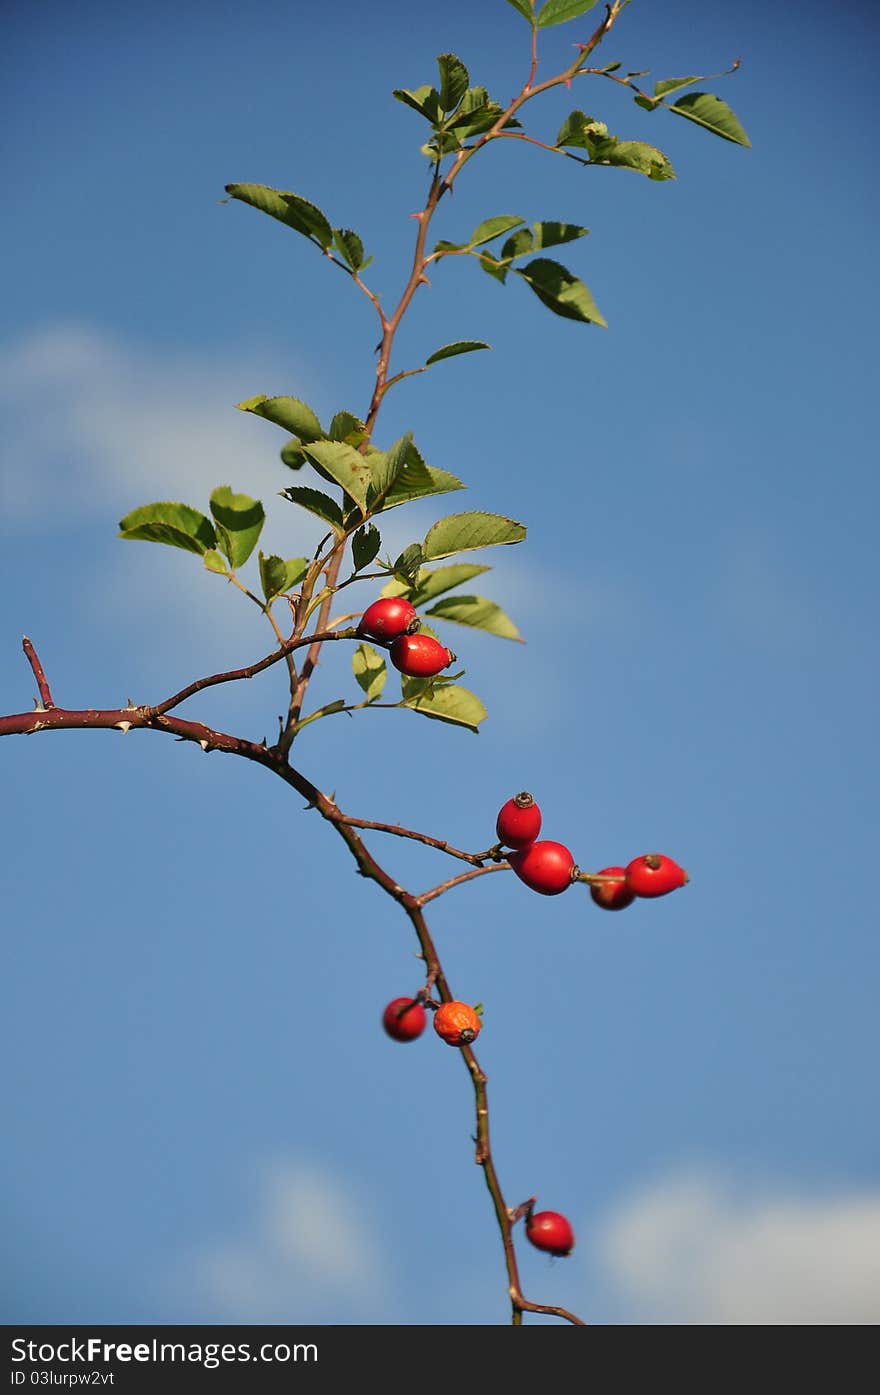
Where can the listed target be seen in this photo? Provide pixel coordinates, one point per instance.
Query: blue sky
(207, 1122)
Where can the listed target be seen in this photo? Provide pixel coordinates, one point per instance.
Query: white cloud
(307, 1254)
(694, 1249)
(93, 428)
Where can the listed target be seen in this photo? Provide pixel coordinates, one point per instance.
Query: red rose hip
(404, 1019)
(546, 867)
(519, 821)
(654, 874)
(549, 1231)
(388, 617)
(420, 656)
(612, 896)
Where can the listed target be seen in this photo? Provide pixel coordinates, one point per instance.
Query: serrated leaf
(347, 466)
(215, 563)
(317, 503)
(711, 113)
(349, 247)
(347, 427)
(479, 613)
(450, 703)
(463, 532)
(370, 670)
(667, 85)
(424, 100)
(493, 227)
(454, 79)
(289, 208)
(406, 565)
(287, 412)
(562, 292)
(386, 466)
(559, 11)
(555, 234)
(461, 346)
(635, 155)
(417, 480)
(524, 8)
(432, 582)
(178, 525)
(239, 521)
(477, 113)
(364, 546)
(518, 244)
(276, 575)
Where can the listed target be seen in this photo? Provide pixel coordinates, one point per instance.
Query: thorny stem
(438, 187)
(157, 718)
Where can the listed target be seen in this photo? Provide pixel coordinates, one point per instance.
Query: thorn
(130, 702)
(38, 706)
(568, 84)
(205, 745)
(423, 280)
(124, 727)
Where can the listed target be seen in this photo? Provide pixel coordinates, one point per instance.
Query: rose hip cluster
(550, 868)
(392, 620)
(546, 867)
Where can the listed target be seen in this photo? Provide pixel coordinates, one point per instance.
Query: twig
(37, 670)
(436, 891)
(398, 831)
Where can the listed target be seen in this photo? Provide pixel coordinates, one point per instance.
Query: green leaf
(418, 481)
(518, 245)
(454, 79)
(484, 232)
(524, 8)
(317, 503)
(347, 427)
(424, 100)
(635, 155)
(667, 85)
(239, 521)
(713, 114)
(450, 703)
(370, 670)
(386, 467)
(276, 575)
(364, 546)
(175, 524)
(561, 292)
(477, 113)
(347, 466)
(463, 532)
(477, 612)
(646, 103)
(349, 247)
(287, 412)
(292, 456)
(558, 11)
(291, 209)
(406, 566)
(215, 563)
(493, 227)
(432, 582)
(461, 346)
(554, 234)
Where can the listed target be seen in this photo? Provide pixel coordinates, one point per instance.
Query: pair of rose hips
(456, 1023)
(394, 621)
(550, 868)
